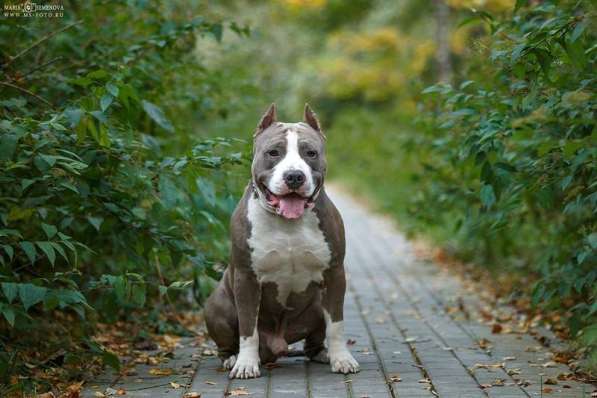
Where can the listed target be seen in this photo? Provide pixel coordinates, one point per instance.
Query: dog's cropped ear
(269, 117)
(311, 119)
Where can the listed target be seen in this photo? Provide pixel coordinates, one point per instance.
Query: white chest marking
(290, 253)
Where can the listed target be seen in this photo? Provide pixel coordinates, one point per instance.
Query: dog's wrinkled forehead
(277, 132)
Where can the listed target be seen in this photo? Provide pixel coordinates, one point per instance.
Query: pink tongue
(292, 206)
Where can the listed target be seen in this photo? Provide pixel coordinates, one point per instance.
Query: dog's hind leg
(314, 342)
(222, 324)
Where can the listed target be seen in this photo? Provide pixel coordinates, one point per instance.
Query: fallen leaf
(498, 382)
(121, 391)
(174, 385)
(496, 328)
(161, 371)
(487, 366)
(395, 378)
(99, 394)
(484, 386)
(46, 395)
(238, 391)
(565, 376)
(347, 381)
(211, 383)
(509, 358)
(550, 364)
(547, 390)
(513, 371)
(550, 381)
(484, 344)
(192, 394)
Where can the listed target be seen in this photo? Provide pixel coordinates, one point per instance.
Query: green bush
(509, 155)
(108, 202)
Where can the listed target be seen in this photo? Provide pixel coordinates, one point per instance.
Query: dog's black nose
(294, 178)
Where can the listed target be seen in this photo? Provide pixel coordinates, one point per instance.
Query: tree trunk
(442, 33)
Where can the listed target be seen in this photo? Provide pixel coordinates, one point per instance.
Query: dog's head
(288, 163)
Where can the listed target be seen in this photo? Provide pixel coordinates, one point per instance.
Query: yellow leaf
(161, 371)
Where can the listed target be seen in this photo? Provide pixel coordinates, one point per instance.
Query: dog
(285, 281)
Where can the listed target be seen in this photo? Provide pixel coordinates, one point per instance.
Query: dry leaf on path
(161, 371)
(192, 394)
(238, 392)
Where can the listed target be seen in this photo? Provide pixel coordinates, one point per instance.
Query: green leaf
(9, 251)
(157, 115)
(112, 89)
(31, 294)
(487, 196)
(96, 222)
(60, 250)
(578, 31)
(592, 239)
(48, 249)
(8, 145)
(50, 230)
(207, 189)
(9, 314)
(139, 212)
(29, 250)
(74, 115)
(10, 290)
(106, 101)
(138, 294)
(26, 183)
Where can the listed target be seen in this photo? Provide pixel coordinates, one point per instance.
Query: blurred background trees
(470, 121)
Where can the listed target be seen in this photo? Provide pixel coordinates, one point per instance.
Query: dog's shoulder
(240, 230)
(332, 226)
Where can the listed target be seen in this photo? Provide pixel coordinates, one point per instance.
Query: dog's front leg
(341, 360)
(247, 296)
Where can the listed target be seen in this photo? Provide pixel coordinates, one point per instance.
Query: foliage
(509, 155)
(109, 204)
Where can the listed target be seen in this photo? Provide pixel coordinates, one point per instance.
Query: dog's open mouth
(291, 205)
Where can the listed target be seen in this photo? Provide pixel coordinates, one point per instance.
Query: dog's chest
(291, 254)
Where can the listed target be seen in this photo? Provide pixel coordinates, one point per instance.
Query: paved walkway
(403, 330)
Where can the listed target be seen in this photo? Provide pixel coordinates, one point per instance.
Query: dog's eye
(274, 153)
(312, 154)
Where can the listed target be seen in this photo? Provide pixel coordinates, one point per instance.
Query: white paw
(321, 357)
(229, 362)
(246, 367)
(343, 362)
